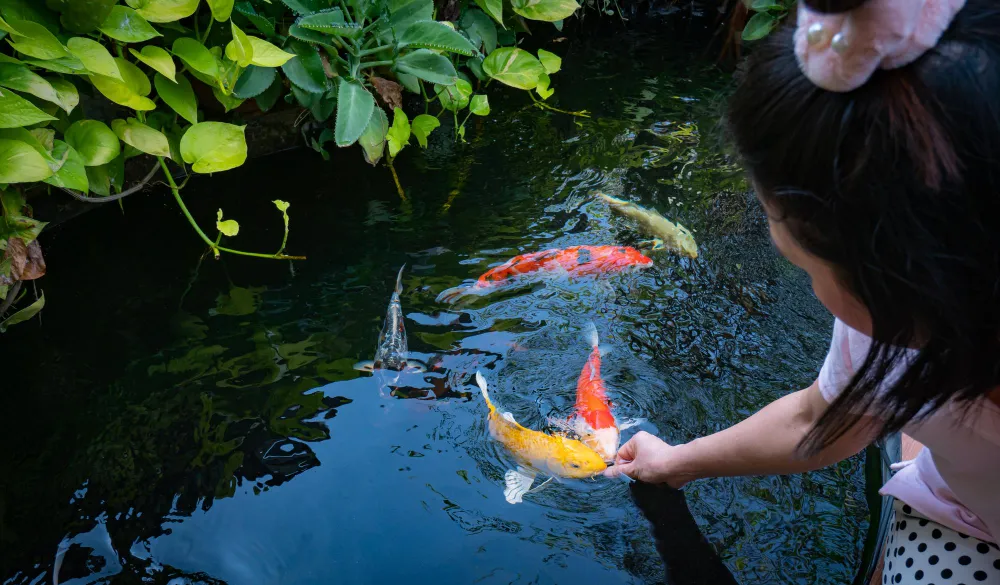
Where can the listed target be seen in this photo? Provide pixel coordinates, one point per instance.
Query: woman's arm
(764, 444)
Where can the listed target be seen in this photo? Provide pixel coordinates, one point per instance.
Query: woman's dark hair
(896, 185)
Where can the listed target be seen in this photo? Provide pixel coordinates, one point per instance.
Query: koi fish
(537, 452)
(391, 353)
(667, 234)
(600, 430)
(574, 261)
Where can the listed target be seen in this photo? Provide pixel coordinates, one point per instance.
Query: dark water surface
(176, 420)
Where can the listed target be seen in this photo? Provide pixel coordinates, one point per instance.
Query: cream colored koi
(671, 235)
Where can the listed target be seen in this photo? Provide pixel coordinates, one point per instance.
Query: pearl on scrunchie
(816, 34)
(840, 43)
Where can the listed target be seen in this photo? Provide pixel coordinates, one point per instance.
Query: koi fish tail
(399, 280)
(481, 381)
(451, 295)
(593, 340)
(611, 200)
(590, 334)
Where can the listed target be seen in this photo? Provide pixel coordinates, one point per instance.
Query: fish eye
(575, 465)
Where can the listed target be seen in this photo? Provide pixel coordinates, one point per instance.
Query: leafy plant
(87, 85)
(767, 15)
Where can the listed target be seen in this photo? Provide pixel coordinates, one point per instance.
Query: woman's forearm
(767, 442)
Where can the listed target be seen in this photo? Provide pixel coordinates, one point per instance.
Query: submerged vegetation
(87, 85)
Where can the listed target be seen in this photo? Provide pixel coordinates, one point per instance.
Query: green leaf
(480, 105)
(228, 227)
(322, 105)
(410, 82)
(239, 49)
(481, 29)
(354, 109)
(546, 10)
(550, 61)
(422, 127)
(514, 67)
(310, 36)
(94, 57)
(65, 65)
(221, 9)
(179, 95)
(20, 163)
(132, 93)
(263, 24)
(454, 97)
(558, 24)
(7, 28)
(269, 98)
(45, 136)
(24, 314)
(429, 66)
(431, 34)
(330, 22)
(73, 173)
(158, 59)
(41, 144)
(32, 10)
(404, 14)
(399, 133)
(19, 77)
(494, 8)
(372, 140)
(164, 10)
(253, 81)
(36, 41)
(67, 96)
(211, 147)
(83, 16)
(196, 56)
(306, 70)
(94, 141)
(228, 100)
(542, 89)
(766, 5)
(759, 26)
(267, 55)
(142, 137)
(104, 177)
(126, 25)
(475, 65)
(16, 112)
(306, 6)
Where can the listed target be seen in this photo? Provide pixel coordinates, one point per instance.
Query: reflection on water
(203, 421)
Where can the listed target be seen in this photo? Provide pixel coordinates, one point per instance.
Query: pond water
(201, 420)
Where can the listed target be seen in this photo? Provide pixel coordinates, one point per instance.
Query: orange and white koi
(575, 261)
(537, 452)
(599, 428)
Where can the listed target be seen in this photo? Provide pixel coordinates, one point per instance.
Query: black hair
(897, 186)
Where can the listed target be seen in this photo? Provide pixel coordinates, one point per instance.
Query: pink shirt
(955, 480)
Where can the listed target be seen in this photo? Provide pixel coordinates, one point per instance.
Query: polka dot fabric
(922, 552)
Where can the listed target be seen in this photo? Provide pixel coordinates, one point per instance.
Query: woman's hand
(649, 459)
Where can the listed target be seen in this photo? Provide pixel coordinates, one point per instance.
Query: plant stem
(371, 64)
(180, 202)
(374, 50)
(395, 177)
(347, 13)
(423, 92)
(208, 30)
(368, 28)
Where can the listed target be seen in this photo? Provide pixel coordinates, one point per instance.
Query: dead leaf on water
(26, 262)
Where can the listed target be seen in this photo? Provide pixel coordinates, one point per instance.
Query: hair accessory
(840, 52)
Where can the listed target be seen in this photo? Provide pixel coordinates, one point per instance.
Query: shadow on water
(202, 420)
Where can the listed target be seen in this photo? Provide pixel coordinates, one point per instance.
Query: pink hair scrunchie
(840, 52)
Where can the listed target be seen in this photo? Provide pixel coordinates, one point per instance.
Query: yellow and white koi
(537, 452)
(667, 233)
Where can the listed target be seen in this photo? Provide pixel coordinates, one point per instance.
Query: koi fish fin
(365, 366)
(540, 486)
(569, 425)
(518, 483)
(399, 280)
(481, 381)
(508, 416)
